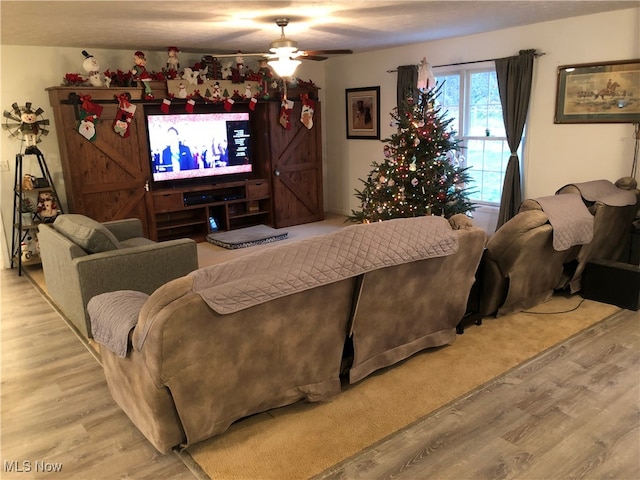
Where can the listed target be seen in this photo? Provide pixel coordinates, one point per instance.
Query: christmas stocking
(87, 127)
(252, 103)
(285, 112)
(189, 105)
(125, 113)
(166, 103)
(228, 103)
(89, 113)
(306, 116)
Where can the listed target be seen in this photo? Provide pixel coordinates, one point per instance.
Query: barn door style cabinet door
(294, 166)
(105, 179)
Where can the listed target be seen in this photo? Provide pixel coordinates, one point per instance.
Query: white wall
(554, 155)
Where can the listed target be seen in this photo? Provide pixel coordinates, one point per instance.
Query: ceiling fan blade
(320, 55)
(316, 58)
(240, 54)
(327, 52)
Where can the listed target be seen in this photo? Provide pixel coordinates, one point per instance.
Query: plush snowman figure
(91, 65)
(29, 126)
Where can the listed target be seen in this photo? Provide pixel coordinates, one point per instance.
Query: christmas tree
(420, 174)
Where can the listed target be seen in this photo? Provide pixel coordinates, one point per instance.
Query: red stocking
(126, 110)
(89, 113)
(285, 113)
(306, 116)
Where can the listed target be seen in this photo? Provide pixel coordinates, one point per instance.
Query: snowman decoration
(182, 90)
(91, 65)
(29, 126)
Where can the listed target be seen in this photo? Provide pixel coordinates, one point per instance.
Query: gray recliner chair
(614, 208)
(533, 254)
(82, 258)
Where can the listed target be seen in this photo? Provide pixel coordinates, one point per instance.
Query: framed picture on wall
(363, 116)
(606, 92)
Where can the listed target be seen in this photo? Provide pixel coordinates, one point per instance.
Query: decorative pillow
(88, 234)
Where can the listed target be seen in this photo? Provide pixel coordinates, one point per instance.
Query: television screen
(190, 146)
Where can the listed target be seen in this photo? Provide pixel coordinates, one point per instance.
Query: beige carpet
(302, 440)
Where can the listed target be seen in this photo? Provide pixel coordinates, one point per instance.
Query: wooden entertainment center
(186, 212)
(109, 178)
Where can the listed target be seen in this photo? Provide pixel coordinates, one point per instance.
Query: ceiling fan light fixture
(284, 44)
(285, 50)
(284, 66)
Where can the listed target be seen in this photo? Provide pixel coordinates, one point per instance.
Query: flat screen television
(199, 147)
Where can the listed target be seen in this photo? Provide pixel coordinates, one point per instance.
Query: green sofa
(82, 258)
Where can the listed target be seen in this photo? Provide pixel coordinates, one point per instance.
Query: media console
(185, 212)
(108, 179)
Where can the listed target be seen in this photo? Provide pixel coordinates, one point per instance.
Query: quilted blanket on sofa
(571, 221)
(606, 192)
(295, 267)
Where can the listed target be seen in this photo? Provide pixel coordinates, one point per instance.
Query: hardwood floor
(573, 412)
(56, 408)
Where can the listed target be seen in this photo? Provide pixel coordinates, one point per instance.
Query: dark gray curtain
(514, 76)
(407, 83)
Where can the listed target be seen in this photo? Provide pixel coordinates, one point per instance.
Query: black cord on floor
(555, 313)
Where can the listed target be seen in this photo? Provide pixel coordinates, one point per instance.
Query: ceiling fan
(283, 53)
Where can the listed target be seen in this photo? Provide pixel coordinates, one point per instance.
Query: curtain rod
(537, 54)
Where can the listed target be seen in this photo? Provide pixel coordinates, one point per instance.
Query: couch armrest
(125, 229)
(143, 268)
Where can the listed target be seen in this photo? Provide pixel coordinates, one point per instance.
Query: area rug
(304, 439)
(246, 237)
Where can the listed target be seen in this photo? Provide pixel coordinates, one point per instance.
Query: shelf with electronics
(199, 210)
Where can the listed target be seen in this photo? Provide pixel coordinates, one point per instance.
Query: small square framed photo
(363, 115)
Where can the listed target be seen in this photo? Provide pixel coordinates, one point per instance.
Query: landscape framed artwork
(363, 116)
(607, 92)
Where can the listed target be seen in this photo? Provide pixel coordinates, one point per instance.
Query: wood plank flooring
(56, 409)
(571, 413)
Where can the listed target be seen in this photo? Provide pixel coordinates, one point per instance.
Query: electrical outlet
(4, 166)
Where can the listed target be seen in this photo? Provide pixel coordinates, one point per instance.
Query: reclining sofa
(614, 208)
(270, 328)
(546, 246)
(82, 258)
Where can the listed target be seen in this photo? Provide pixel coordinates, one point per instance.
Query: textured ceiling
(225, 27)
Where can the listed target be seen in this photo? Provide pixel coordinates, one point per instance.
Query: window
(472, 100)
